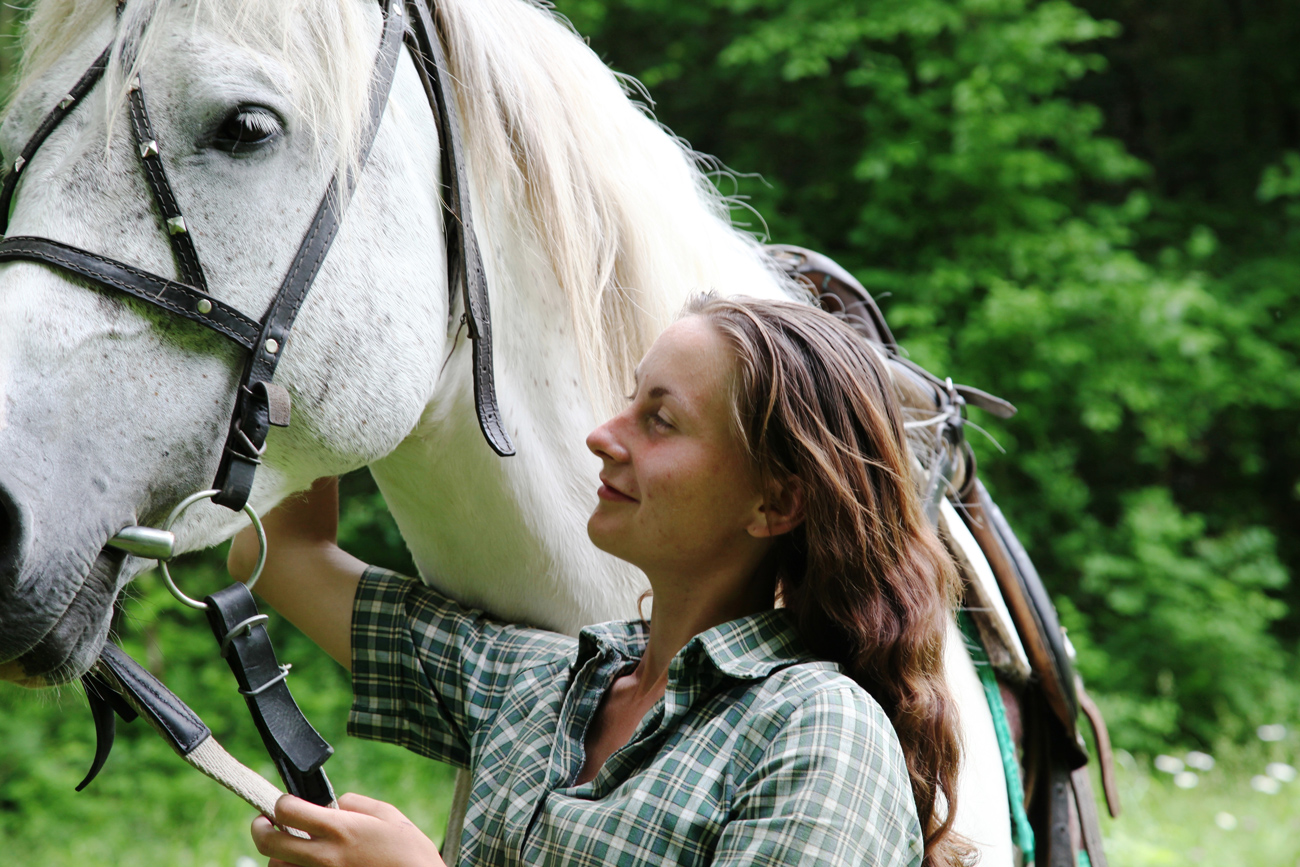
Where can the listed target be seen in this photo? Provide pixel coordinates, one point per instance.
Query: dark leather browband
(259, 402)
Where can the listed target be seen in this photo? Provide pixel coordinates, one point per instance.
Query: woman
(784, 705)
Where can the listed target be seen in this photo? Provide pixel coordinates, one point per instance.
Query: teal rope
(1022, 834)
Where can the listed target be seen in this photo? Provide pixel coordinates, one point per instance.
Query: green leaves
(940, 150)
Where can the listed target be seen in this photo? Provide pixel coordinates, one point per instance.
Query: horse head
(110, 410)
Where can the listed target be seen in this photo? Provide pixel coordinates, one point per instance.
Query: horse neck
(509, 534)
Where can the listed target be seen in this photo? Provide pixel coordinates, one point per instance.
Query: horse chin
(73, 643)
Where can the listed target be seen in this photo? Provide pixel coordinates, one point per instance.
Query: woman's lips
(614, 495)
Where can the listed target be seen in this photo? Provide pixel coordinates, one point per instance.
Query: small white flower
(1186, 779)
(245, 861)
(1265, 785)
(1226, 821)
(1168, 764)
(1199, 760)
(1281, 771)
(1274, 732)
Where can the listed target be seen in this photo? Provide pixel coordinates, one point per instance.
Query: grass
(1222, 821)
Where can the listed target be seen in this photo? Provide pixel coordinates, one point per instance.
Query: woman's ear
(781, 511)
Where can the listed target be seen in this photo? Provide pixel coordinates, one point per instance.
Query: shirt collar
(748, 647)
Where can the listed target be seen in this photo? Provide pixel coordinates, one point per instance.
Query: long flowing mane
(620, 210)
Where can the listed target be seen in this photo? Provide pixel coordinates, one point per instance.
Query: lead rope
(118, 686)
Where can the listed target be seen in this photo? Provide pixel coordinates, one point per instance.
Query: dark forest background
(1089, 208)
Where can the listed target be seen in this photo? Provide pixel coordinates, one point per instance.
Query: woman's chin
(604, 535)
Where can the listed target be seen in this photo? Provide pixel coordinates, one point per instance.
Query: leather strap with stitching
(146, 140)
(298, 751)
(250, 422)
(65, 106)
(464, 262)
(175, 298)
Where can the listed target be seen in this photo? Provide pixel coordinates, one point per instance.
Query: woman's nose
(605, 442)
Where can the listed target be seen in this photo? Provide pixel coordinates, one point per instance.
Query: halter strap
(257, 395)
(88, 80)
(146, 141)
(259, 402)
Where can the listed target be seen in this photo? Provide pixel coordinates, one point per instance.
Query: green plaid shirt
(758, 753)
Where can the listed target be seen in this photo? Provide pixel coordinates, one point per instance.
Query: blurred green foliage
(1091, 208)
(962, 157)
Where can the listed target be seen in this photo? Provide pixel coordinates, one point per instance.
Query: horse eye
(246, 129)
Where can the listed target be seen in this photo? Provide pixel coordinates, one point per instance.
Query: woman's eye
(660, 422)
(247, 129)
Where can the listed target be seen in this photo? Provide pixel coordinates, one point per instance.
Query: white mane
(629, 223)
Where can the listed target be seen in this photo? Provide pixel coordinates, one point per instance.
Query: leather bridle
(116, 685)
(259, 402)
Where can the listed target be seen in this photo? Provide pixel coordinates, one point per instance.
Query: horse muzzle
(57, 590)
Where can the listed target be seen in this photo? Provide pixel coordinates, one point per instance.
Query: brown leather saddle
(1058, 794)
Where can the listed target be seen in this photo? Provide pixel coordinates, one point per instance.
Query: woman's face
(677, 491)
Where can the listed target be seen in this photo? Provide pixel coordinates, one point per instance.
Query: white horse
(595, 224)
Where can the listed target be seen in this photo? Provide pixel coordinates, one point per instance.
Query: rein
(116, 685)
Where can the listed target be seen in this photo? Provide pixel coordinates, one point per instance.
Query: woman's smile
(606, 491)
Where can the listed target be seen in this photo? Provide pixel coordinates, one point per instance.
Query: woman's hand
(308, 578)
(363, 832)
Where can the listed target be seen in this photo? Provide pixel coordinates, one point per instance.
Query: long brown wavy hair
(865, 577)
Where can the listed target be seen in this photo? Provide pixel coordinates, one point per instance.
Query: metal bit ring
(261, 546)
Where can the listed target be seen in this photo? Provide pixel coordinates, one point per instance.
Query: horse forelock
(619, 209)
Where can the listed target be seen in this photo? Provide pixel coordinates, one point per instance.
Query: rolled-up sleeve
(831, 788)
(428, 673)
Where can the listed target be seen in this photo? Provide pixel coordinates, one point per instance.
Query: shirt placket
(576, 713)
(685, 684)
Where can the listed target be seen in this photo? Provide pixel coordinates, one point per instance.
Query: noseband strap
(259, 402)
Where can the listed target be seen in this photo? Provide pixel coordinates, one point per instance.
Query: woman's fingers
(280, 847)
(354, 803)
(362, 833)
(315, 820)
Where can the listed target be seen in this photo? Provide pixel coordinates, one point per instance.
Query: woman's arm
(308, 578)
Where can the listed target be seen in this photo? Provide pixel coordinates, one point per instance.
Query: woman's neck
(683, 608)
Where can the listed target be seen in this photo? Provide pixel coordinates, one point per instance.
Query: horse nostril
(11, 540)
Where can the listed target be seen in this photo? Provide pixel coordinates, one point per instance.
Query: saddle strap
(1105, 756)
(1089, 823)
(297, 749)
(1031, 609)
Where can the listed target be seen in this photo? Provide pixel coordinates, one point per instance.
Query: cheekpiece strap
(250, 423)
(464, 262)
(88, 80)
